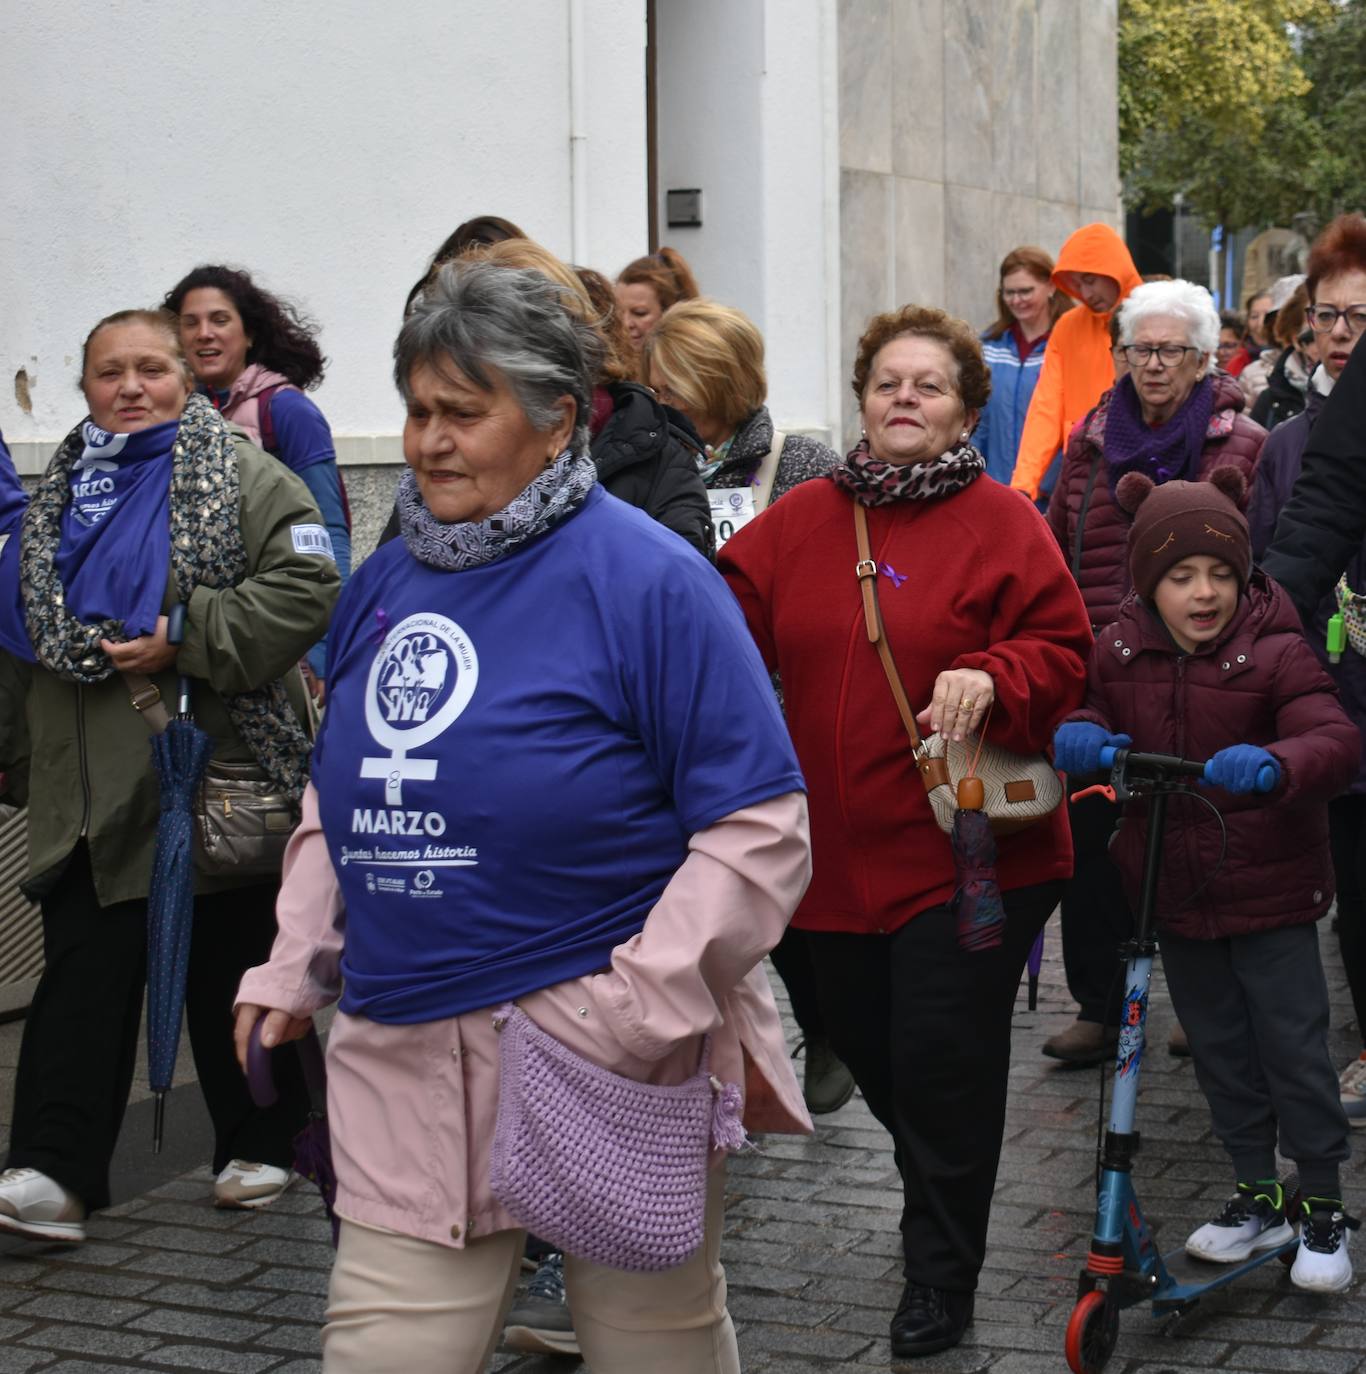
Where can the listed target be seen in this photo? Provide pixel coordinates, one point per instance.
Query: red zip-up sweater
(971, 581)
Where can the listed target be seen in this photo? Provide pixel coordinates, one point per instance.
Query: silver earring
(863, 433)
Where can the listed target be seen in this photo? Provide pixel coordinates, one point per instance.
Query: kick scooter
(1123, 1265)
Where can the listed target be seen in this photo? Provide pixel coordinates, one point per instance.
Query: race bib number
(312, 539)
(732, 508)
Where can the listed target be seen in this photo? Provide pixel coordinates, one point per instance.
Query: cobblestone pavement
(167, 1283)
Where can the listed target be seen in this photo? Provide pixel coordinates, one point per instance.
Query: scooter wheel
(1092, 1331)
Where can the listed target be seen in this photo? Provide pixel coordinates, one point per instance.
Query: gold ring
(966, 704)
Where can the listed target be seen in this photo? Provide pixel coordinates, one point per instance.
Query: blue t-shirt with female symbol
(515, 756)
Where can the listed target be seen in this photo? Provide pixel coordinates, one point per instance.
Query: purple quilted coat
(1259, 683)
(1099, 559)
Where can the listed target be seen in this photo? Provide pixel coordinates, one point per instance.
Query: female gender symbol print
(422, 678)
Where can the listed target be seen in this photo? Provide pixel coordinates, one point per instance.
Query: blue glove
(1077, 745)
(1236, 768)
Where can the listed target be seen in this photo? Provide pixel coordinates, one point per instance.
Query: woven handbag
(600, 1166)
(1017, 789)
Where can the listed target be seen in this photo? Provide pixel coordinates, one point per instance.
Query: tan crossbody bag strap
(933, 772)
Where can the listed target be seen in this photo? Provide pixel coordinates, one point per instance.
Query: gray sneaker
(539, 1323)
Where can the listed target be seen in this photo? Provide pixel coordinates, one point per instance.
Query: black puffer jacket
(1285, 391)
(646, 457)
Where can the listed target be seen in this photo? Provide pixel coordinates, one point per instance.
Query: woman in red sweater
(980, 612)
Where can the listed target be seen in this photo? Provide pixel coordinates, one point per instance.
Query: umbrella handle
(260, 1080)
(175, 634)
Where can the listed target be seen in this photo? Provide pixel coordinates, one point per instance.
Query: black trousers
(79, 1048)
(1096, 915)
(925, 1029)
(792, 958)
(1347, 830)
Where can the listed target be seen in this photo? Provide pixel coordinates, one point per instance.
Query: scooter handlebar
(1164, 763)
(1264, 782)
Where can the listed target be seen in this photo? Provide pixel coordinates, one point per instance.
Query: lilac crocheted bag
(603, 1167)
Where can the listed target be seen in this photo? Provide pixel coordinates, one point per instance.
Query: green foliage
(1252, 109)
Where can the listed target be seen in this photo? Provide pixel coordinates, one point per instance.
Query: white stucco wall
(327, 145)
(747, 99)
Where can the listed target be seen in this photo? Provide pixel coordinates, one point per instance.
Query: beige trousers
(398, 1305)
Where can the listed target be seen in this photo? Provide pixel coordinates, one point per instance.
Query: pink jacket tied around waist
(413, 1107)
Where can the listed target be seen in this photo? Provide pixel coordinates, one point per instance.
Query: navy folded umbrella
(179, 756)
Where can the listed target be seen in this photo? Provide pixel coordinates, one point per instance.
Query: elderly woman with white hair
(526, 821)
(1174, 415)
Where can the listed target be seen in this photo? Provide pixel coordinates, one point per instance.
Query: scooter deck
(1189, 1279)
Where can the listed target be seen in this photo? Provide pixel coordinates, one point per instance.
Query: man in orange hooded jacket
(1094, 267)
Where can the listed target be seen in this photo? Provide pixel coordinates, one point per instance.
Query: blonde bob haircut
(711, 357)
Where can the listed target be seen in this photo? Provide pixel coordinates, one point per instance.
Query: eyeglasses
(1018, 292)
(1323, 318)
(1169, 355)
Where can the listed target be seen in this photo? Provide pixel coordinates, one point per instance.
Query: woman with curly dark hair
(254, 356)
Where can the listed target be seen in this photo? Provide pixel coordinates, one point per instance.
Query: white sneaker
(243, 1184)
(1250, 1221)
(36, 1206)
(1352, 1089)
(1322, 1264)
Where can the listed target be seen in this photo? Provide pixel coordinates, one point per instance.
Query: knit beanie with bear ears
(1180, 519)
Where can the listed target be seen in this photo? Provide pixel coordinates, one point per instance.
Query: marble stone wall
(967, 127)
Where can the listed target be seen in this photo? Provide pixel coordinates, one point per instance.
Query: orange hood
(1095, 248)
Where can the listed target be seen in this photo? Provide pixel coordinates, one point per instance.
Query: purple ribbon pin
(897, 578)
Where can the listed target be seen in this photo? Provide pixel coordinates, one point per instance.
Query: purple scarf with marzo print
(1168, 451)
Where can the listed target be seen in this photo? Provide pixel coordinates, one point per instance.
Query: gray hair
(1182, 300)
(482, 319)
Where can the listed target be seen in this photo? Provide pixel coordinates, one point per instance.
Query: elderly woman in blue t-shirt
(552, 771)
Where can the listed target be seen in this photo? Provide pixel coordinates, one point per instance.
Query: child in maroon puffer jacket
(1208, 661)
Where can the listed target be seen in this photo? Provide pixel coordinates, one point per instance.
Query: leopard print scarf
(206, 551)
(875, 482)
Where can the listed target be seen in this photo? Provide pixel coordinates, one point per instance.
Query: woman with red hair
(647, 287)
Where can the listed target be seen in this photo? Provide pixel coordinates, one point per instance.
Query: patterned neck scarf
(554, 495)
(875, 482)
(206, 551)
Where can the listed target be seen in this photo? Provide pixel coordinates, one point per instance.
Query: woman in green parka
(153, 500)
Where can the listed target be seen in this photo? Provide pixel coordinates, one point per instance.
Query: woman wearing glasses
(1172, 414)
(1028, 305)
(1336, 282)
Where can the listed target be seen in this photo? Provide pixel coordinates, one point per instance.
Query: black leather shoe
(929, 1319)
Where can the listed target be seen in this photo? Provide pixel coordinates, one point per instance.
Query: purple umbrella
(313, 1144)
(1033, 966)
(977, 902)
